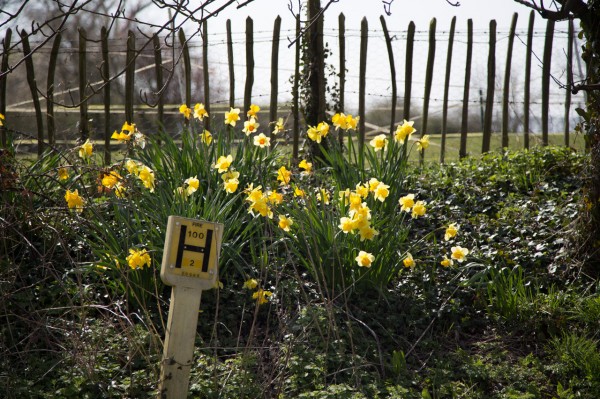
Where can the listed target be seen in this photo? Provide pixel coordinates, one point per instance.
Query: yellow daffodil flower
(254, 109)
(63, 174)
(2, 120)
(362, 190)
(381, 192)
(284, 176)
(250, 126)
(451, 231)
(86, 149)
(423, 143)
(192, 185)
(262, 141)
(347, 225)
(404, 131)
(407, 202)
(231, 185)
(367, 233)
(185, 111)
(298, 192)
(379, 142)
(146, 175)
(419, 209)
(364, 259)
(137, 259)
(262, 296)
(200, 112)
(323, 196)
(307, 166)
(232, 116)
(250, 284)
(459, 253)
(74, 200)
(223, 163)
(278, 126)
(408, 261)
(446, 262)
(285, 223)
(110, 180)
(206, 137)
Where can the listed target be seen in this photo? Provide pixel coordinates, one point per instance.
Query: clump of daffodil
(306, 166)
(459, 253)
(284, 176)
(451, 231)
(408, 260)
(285, 223)
(86, 149)
(253, 111)
(319, 132)
(137, 259)
(423, 143)
(200, 111)
(232, 116)
(262, 296)
(379, 142)
(365, 259)
(250, 126)
(74, 200)
(206, 137)
(278, 127)
(262, 141)
(404, 131)
(344, 122)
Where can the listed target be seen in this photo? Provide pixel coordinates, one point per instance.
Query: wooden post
(342, 47)
(546, 64)
(249, 64)
(446, 90)
(159, 81)
(106, 79)
(364, 36)
(569, 81)
(465, 110)
(3, 79)
(315, 72)
(489, 100)
(506, 91)
(274, 71)
(50, 89)
(129, 77)
(428, 80)
(187, 65)
(527, 80)
(388, 42)
(205, 73)
(295, 99)
(34, 91)
(84, 131)
(231, 68)
(410, 42)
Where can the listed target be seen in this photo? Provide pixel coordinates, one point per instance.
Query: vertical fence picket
(342, 46)
(34, 91)
(408, 67)
(364, 29)
(129, 76)
(295, 99)
(205, 73)
(464, 126)
(187, 65)
(428, 80)
(249, 64)
(489, 100)
(527, 83)
(388, 42)
(569, 81)
(446, 90)
(50, 89)
(106, 78)
(506, 91)
(158, 69)
(230, 62)
(547, 59)
(3, 79)
(275, 70)
(84, 131)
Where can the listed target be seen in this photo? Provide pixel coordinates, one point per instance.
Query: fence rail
(145, 67)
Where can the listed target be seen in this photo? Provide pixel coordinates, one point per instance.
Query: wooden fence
(105, 87)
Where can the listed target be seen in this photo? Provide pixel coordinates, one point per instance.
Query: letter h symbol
(194, 248)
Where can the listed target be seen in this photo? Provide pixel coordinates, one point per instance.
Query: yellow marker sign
(191, 253)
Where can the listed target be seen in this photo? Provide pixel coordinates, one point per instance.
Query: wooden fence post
(408, 66)
(505, 94)
(465, 110)
(295, 99)
(547, 59)
(159, 81)
(34, 91)
(569, 81)
(230, 62)
(84, 131)
(489, 100)
(342, 48)
(527, 80)
(446, 90)
(274, 71)
(249, 65)
(3, 79)
(50, 89)
(205, 73)
(187, 65)
(388, 42)
(106, 79)
(364, 29)
(129, 77)
(428, 80)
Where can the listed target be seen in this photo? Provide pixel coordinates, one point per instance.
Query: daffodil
(373, 183)
(379, 142)
(347, 225)
(355, 201)
(232, 116)
(231, 185)
(459, 253)
(407, 202)
(451, 231)
(381, 192)
(120, 190)
(192, 184)
(121, 136)
(364, 259)
(278, 126)
(254, 109)
(423, 143)
(250, 284)
(1, 120)
(223, 163)
(199, 111)
(250, 126)
(404, 131)
(262, 296)
(86, 149)
(284, 176)
(132, 166)
(307, 166)
(419, 209)
(446, 262)
(262, 141)
(408, 260)
(285, 223)
(110, 179)
(254, 194)
(298, 192)
(146, 175)
(74, 200)
(367, 233)
(137, 259)
(261, 207)
(206, 137)
(274, 197)
(63, 173)
(362, 190)
(185, 111)
(323, 196)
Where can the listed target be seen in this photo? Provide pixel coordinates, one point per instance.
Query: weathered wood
(546, 66)
(231, 68)
(50, 89)
(489, 100)
(34, 91)
(465, 110)
(106, 78)
(527, 83)
(408, 67)
(428, 80)
(295, 97)
(362, 75)
(506, 91)
(3, 80)
(342, 75)
(129, 76)
(569, 81)
(388, 42)
(187, 65)
(205, 73)
(158, 69)
(275, 70)
(84, 131)
(249, 64)
(446, 89)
